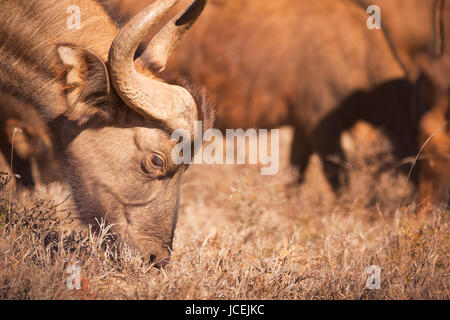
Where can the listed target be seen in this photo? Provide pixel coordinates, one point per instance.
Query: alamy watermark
(74, 279)
(73, 22)
(374, 20)
(208, 147)
(374, 280)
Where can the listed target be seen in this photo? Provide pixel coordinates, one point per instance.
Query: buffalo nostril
(162, 263)
(159, 263)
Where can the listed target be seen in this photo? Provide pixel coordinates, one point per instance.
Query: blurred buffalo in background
(22, 130)
(419, 32)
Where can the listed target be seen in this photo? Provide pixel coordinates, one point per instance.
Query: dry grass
(243, 236)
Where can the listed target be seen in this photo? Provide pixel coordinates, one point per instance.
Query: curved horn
(124, 46)
(165, 42)
(143, 93)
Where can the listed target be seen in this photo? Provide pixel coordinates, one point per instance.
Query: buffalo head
(116, 133)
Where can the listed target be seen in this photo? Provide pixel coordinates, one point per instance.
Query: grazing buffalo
(313, 65)
(109, 116)
(22, 129)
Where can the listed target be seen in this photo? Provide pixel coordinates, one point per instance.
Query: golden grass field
(241, 235)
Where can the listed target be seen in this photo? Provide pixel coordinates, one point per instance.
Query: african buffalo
(110, 117)
(313, 65)
(22, 129)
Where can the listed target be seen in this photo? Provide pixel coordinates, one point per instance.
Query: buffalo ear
(86, 85)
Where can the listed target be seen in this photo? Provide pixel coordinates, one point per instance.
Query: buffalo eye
(151, 164)
(157, 161)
